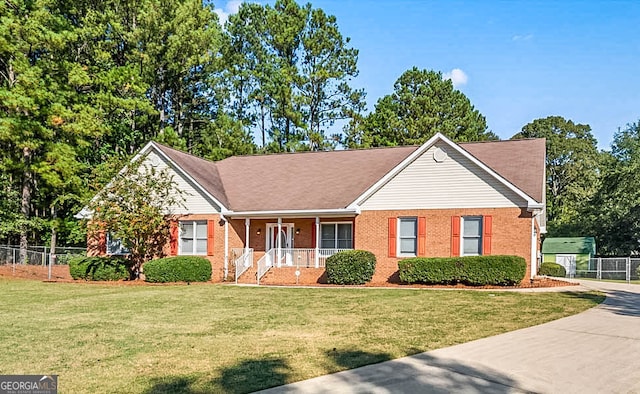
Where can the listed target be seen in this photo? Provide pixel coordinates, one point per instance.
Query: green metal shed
(574, 253)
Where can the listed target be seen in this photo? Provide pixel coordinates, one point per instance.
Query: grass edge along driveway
(217, 338)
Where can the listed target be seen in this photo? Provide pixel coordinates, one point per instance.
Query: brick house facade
(268, 217)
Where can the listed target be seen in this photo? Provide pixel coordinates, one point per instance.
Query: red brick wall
(217, 259)
(96, 242)
(511, 235)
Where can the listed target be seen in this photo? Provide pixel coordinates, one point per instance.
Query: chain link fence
(616, 268)
(39, 255)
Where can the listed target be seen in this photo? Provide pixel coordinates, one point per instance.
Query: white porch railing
(265, 263)
(242, 260)
(306, 258)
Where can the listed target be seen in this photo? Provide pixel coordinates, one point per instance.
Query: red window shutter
(486, 235)
(102, 242)
(314, 239)
(422, 236)
(211, 228)
(455, 236)
(393, 222)
(173, 238)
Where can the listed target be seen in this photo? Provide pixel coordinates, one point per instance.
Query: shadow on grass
(252, 375)
(350, 359)
(245, 377)
(172, 385)
(595, 297)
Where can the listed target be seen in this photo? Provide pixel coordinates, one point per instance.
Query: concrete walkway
(597, 351)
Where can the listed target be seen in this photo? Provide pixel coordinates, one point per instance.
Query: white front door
(568, 261)
(285, 238)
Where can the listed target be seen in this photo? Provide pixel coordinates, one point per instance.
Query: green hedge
(350, 267)
(178, 269)
(99, 268)
(552, 269)
(468, 270)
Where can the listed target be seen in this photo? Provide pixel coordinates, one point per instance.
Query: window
(114, 245)
(336, 235)
(407, 236)
(472, 236)
(193, 237)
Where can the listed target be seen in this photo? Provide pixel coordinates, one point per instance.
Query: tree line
(85, 84)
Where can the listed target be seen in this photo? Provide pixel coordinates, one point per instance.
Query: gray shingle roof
(333, 180)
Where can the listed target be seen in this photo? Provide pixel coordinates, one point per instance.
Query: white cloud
(457, 77)
(230, 8)
(521, 37)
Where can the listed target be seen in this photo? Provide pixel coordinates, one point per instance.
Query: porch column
(317, 254)
(247, 223)
(226, 247)
(278, 242)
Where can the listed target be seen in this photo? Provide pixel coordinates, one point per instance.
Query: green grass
(215, 338)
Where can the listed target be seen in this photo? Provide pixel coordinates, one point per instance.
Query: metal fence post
(628, 269)
(599, 269)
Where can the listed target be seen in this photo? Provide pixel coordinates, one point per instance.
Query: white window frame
(195, 238)
(399, 237)
(479, 237)
(121, 251)
(335, 239)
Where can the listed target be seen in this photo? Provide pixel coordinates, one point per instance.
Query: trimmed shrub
(177, 269)
(350, 267)
(468, 270)
(552, 269)
(99, 268)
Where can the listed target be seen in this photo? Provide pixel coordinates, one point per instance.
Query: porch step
(249, 277)
(287, 276)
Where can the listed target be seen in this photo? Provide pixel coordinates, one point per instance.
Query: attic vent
(439, 155)
(154, 160)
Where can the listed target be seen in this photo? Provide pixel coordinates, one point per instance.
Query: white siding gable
(195, 202)
(456, 182)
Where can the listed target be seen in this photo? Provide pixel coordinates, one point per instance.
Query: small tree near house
(136, 207)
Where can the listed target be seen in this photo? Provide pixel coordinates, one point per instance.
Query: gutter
(294, 213)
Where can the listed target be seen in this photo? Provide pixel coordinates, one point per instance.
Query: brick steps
(285, 276)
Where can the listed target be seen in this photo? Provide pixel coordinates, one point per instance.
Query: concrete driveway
(597, 351)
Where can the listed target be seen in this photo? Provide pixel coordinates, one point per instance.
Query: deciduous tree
(135, 208)
(571, 169)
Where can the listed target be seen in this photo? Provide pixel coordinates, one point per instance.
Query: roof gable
(442, 178)
(484, 167)
(203, 172)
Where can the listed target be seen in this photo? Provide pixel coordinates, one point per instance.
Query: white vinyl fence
(618, 268)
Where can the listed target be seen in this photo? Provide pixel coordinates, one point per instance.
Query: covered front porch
(292, 242)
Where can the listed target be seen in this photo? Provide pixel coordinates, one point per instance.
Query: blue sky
(516, 61)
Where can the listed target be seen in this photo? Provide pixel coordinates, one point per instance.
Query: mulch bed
(60, 273)
(36, 272)
(536, 283)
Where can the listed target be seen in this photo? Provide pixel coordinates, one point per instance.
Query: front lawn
(217, 338)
